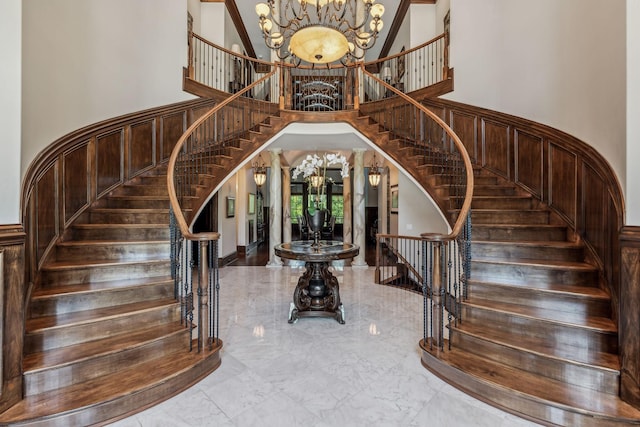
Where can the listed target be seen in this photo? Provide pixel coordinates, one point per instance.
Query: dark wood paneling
(529, 157)
(142, 147)
(594, 217)
(466, 127)
(630, 315)
(109, 159)
(496, 147)
(12, 293)
(172, 126)
(76, 181)
(46, 210)
(563, 184)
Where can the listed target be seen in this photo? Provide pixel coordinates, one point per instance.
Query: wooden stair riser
(517, 251)
(484, 202)
(582, 375)
(62, 303)
(128, 202)
(113, 232)
(516, 233)
(124, 216)
(56, 377)
(489, 216)
(541, 298)
(76, 333)
(142, 190)
(113, 251)
(519, 273)
(565, 336)
(73, 274)
(494, 190)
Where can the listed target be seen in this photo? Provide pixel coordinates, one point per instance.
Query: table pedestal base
(317, 294)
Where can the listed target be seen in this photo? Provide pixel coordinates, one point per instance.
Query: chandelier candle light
(320, 31)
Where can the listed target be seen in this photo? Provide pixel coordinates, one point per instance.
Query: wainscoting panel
(594, 198)
(141, 147)
(630, 317)
(172, 126)
(109, 157)
(76, 181)
(496, 148)
(563, 183)
(13, 290)
(466, 127)
(46, 210)
(529, 158)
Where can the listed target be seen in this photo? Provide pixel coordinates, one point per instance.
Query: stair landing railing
(435, 264)
(203, 157)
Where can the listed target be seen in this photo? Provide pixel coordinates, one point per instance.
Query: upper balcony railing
(319, 88)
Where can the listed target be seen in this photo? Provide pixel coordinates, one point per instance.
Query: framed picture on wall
(231, 207)
(251, 204)
(400, 66)
(394, 199)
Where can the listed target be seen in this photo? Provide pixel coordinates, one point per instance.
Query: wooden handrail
(173, 200)
(405, 52)
(466, 205)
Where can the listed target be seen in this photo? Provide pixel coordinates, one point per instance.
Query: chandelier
(320, 31)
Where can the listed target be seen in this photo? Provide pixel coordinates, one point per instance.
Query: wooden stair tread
(600, 324)
(70, 265)
(517, 226)
(125, 382)
(87, 316)
(65, 355)
(540, 346)
(54, 290)
(530, 386)
(90, 226)
(128, 210)
(100, 243)
(548, 263)
(530, 243)
(591, 292)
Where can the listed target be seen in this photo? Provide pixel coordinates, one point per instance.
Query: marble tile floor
(316, 372)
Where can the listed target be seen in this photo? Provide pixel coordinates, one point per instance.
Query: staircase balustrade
(201, 159)
(436, 264)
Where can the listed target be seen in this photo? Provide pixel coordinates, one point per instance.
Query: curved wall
(87, 61)
(560, 63)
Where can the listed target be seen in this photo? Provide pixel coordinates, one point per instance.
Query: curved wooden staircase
(537, 337)
(104, 338)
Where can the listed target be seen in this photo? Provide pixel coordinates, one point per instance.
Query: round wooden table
(317, 293)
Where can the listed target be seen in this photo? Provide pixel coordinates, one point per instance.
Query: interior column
(275, 207)
(346, 218)
(359, 236)
(286, 203)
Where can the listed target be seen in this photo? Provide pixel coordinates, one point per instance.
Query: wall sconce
(374, 172)
(259, 171)
(316, 180)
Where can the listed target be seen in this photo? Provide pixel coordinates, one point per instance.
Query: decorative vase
(316, 221)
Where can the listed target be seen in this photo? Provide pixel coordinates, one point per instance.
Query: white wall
(212, 17)
(227, 226)
(89, 60)
(561, 63)
(10, 109)
(422, 24)
(417, 213)
(633, 112)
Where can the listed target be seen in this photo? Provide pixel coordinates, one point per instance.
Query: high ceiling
(246, 21)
